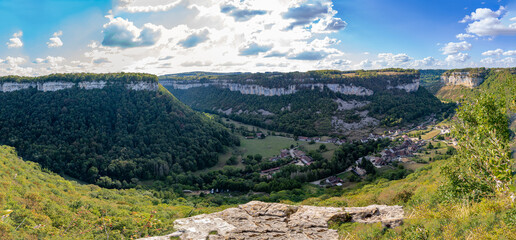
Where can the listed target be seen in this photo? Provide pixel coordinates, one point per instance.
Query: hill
(460, 84)
(312, 103)
(38, 204)
(111, 129)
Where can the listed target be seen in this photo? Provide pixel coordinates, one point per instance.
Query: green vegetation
(368, 79)
(431, 80)
(428, 214)
(469, 196)
(84, 77)
(310, 113)
(38, 204)
(498, 81)
(290, 176)
(112, 136)
(482, 166)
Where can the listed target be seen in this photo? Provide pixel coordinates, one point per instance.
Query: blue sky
(39, 37)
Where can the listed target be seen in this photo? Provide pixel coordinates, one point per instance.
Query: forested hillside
(113, 136)
(495, 80)
(468, 196)
(390, 98)
(38, 204)
(431, 80)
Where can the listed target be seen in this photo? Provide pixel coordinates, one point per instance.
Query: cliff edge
(259, 220)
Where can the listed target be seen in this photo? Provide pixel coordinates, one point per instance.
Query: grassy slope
(452, 93)
(426, 216)
(46, 206)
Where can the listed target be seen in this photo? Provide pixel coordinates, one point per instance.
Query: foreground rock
(259, 220)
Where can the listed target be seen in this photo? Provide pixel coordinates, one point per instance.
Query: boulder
(258, 220)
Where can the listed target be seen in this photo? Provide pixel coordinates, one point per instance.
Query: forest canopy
(84, 77)
(112, 136)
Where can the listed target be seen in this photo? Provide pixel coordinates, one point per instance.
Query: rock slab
(259, 221)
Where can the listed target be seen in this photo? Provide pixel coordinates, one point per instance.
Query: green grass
(47, 206)
(268, 147)
(426, 215)
(251, 127)
(431, 134)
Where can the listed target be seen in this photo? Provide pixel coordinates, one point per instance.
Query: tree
(482, 165)
(322, 148)
(232, 161)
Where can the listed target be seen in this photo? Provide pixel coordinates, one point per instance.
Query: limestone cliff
(57, 85)
(462, 79)
(253, 89)
(259, 220)
(408, 87)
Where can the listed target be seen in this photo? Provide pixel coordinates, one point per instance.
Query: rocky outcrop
(142, 86)
(92, 85)
(56, 86)
(461, 79)
(14, 86)
(259, 220)
(350, 105)
(409, 87)
(339, 124)
(252, 89)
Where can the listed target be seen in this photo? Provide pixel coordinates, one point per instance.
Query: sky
(39, 37)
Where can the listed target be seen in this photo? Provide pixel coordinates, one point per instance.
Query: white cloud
(15, 41)
(426, 62)
(50, 60)
(457, 58)
(496, 52)
(510, 53)
(14, 61)
(55, 41)
(365, 64)
(508, 61)
(317, 14)
(136, 6)
(394, 58)
(488, 61)
(463, 36)
(122, 33)
(486, 22)
(455, 47)
(499, 52)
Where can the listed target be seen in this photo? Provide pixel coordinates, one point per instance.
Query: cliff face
(259, 220)
(254, 89)
(56, 86)
(291, 89)
(462, 78)
(409, 87)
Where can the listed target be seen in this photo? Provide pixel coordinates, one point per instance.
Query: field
(267, 147)
(430, 135)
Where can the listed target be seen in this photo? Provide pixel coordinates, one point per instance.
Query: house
(334, 181)
(274, 159)
(269, 172)
(298, 153)
(299, 163)
(284, 153)
(259, 135)
(306, 160)
(249, 137)
(316, 139)
(359, 171)
(305, 139)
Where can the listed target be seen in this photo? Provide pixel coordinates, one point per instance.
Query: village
(404, 148)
